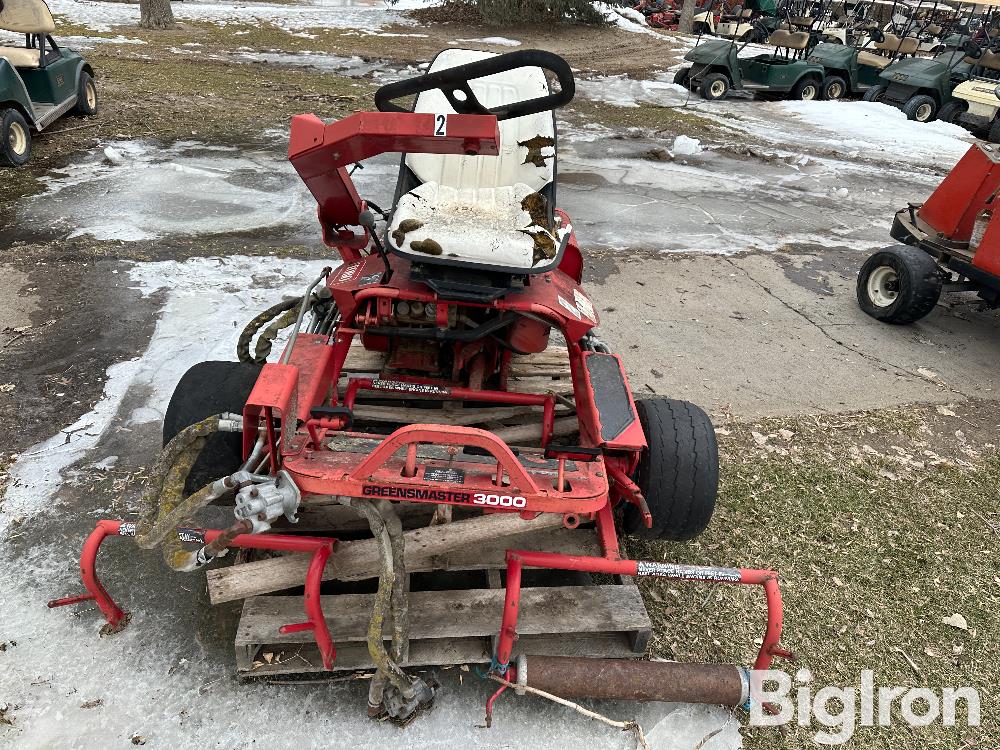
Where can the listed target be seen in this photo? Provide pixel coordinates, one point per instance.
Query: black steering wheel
(454, 84)
(972, 49)
(877, 35)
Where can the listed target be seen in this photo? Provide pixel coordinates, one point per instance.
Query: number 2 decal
(440, 123)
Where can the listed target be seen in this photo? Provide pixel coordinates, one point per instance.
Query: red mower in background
(951, 243)
(475, 269)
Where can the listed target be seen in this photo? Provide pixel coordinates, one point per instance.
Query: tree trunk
(686, 22)
(156, 14)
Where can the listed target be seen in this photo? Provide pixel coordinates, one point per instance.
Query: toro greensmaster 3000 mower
(475, 270)
(951, 242)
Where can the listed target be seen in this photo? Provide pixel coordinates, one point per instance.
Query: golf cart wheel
(874, 94)
(993, 136)
(211, 388)
(806, 90)
(678, 472)
(899, 285)
(683, 77)
(920, 108)
(15, 138)
(834, 88)
(714, 86)
(950, 111)
(86, 96)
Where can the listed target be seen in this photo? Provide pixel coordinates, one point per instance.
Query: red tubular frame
(318, 547)
(516, 559)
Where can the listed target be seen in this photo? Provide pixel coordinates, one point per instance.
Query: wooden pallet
(455, 625)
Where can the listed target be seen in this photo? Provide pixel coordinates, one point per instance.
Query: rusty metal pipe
(629, 680)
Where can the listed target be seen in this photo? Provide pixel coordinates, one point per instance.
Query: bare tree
(686, 23)
(156, 14)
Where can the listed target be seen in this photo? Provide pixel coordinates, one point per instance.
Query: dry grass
(881, 525)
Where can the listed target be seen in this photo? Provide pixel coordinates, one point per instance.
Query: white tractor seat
(20, 57)
(469, 207)
(477, 225)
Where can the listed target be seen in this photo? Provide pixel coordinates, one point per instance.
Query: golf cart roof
(26, 17)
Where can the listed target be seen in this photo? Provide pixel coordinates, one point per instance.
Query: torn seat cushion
(20, 57)
(491, 226)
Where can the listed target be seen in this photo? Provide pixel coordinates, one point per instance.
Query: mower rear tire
(678, 472)
(714, 86)
(921, 108)
(899, 284)
(874, 93)
(206, 389)
(834, 88)
(950, 111)
(806, 90)
(683, 77)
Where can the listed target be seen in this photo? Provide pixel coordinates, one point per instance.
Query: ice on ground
(368, 15)
(146, 192)
(168, 677)
(352, 67)
(497, 40)
(685, 146)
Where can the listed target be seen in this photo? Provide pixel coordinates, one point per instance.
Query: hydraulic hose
(164, 508)
(387, 668)
(243, 344)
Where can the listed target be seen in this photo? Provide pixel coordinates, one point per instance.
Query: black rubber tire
(678, 472)
(707, 84)
(918, 284)
(86, 105)
(211, 388)
(950, 110)
(801, 89)
(15, 138)
(683, 77)
(834, 88)
(915, 105)
(874, 93)
(993, 136)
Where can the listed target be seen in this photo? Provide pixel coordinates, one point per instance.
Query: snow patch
(497, 40)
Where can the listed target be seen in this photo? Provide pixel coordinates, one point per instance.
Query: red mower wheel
(678, 472)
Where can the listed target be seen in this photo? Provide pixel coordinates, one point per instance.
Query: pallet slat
(450, 627)
(455, 613)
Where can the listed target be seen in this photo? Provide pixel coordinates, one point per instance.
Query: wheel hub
(17, 138)
(883, 286)
(923, 113)
(718, 88)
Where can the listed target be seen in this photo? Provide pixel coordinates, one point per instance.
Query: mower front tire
(683, 77)
(678, 473)
(899, 285)
(921, 108)
(714, 86)
(834, 88)
(206, 389)
(874, 93)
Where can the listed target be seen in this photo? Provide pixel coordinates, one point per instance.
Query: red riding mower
(476, 270)
(951, 242)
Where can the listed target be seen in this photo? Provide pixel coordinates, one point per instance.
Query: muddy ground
(860, 460)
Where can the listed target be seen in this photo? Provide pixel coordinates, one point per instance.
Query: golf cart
(716, 67)
(739, 23)
(39, 81)
(920, 86)
(951, 242)
(975, 104)
(854, 70)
